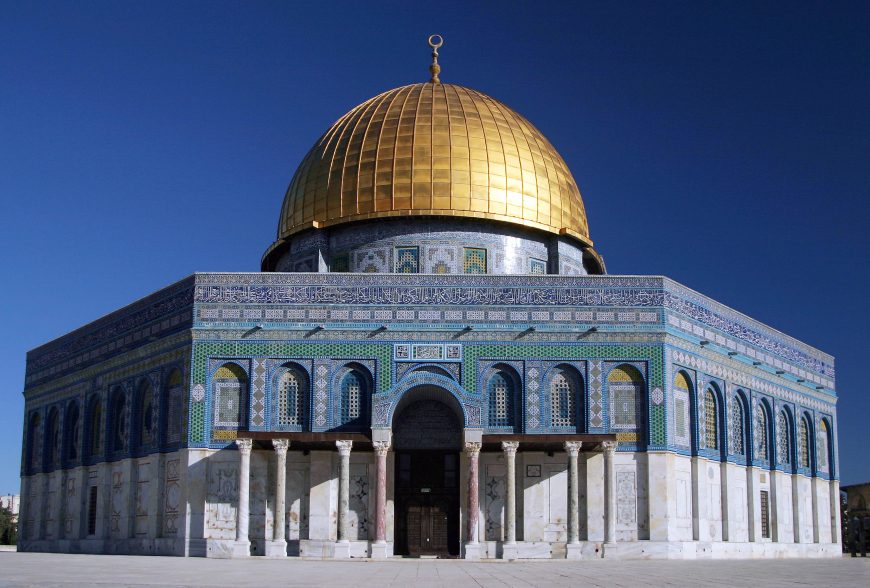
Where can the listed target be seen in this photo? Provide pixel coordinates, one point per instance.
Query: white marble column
(379, 547)
(509, 548)
(472, 546)
(242, 547)
(342, 547)
(277, 547)
(572, 448)
(609, 495)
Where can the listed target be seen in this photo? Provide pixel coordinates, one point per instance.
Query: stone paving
(49, 570)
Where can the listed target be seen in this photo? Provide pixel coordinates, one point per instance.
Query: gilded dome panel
(439, 150)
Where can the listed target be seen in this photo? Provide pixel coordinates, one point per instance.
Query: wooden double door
(427, 503)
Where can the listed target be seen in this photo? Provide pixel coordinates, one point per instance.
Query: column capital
(245, 445)
(280, 446)
(609, 447)
(381, 447)
(344, 447)
(573, 447)
(510, 447)
(472, 448)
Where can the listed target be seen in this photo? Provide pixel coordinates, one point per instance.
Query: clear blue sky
(726, 145)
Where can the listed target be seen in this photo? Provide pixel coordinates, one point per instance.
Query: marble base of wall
(160, 546)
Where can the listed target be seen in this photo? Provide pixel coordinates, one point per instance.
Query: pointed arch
(119, 422)
(761, 432)
(145, 427)
(230, 383)
(354, 396)
(72, 430)
(737, 412)
(502, 386)
(292, 392)
(783, 437)
(823, 447)
(565, 385)
(52, 445)
(94, 445)
(682, 409)
(804, 439)
(710, 407)
(625, 386)
(172, 407)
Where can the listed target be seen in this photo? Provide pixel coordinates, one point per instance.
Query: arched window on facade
(353, 398)
(173, 407)
(33, 442)
(783, 439)
(52, 438)
(292, 391)
(682, 391)
(760, 433)
(501, 400)
(711, 422)
(736, 431)
(230, 396)
(804, 443)
(625, 385)
(563, 391)
(822, 447)
(146, 423)
(119, 414)
(95, 427)
(73, 431)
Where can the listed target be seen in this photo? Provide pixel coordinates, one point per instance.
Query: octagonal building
(433, 361)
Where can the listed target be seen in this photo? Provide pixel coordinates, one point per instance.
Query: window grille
(680, 419)
(735, 427)
(804, 444)
(711, 428)
(92, 510)
(782, 439)
(351, 397)
(537, 266)
(822, 447)
(562, 401)
(500, 401)
(765, 515)
(760, 434)
(407, 260)
(290, 394)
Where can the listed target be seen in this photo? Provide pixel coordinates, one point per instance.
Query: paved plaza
(47, 570)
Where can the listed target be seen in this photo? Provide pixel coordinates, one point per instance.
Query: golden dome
(433, 150)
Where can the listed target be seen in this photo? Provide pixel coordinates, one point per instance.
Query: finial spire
(435, 41)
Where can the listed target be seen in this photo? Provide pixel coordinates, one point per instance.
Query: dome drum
(432, 245)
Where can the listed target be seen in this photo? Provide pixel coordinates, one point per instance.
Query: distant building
(432, 361)
(858, 499)
(11, 501)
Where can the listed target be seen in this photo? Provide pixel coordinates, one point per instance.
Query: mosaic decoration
(258, 395)
(407, 260)
(625, 387)
(596, 396)
(473, 260)
(533, 386)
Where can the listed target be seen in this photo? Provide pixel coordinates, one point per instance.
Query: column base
(241, 549)
(574, 551)
(510, 551)
(472, 551)
(341, 550)
(380, 550)
(276, 548)
(610, 549)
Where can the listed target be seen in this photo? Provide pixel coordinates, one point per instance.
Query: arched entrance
(427, 438)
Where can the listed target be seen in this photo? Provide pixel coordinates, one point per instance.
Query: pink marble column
(472, 548)
(381, 448)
